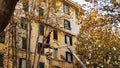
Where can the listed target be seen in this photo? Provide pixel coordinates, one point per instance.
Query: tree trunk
(6, 10)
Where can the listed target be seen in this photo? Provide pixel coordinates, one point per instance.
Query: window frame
(67, 24)
(70, 40)
(69, 56)
(66, 8)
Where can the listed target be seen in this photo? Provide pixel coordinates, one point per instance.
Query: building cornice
(72, 3)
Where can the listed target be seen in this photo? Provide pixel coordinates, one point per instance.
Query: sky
(80, 1)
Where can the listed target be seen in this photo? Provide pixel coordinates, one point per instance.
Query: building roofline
(72, 3)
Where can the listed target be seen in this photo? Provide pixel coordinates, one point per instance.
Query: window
(22, 63)
(39, 48)
(76, 12)
(1, 59)
(41, 65)
(55, 35)
(55, 53)
(66, 9)
(41, 30)
(41, 12)
(23, 24)
(55, 67)
(2, 37)
(69, 57)
(67, 24)
(24, 43)
(68, 40)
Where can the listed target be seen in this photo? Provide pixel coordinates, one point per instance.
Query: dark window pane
(41, 65)
(1, 59)
(55, 35)
(41, 12)
(39, 48)
(41, 30)
(2, 37)
(70, 40)
(24, 43)
(24, 26)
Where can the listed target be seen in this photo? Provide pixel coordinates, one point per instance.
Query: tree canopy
(98, 39)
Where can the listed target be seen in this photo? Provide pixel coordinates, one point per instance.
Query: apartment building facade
(37, 28)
